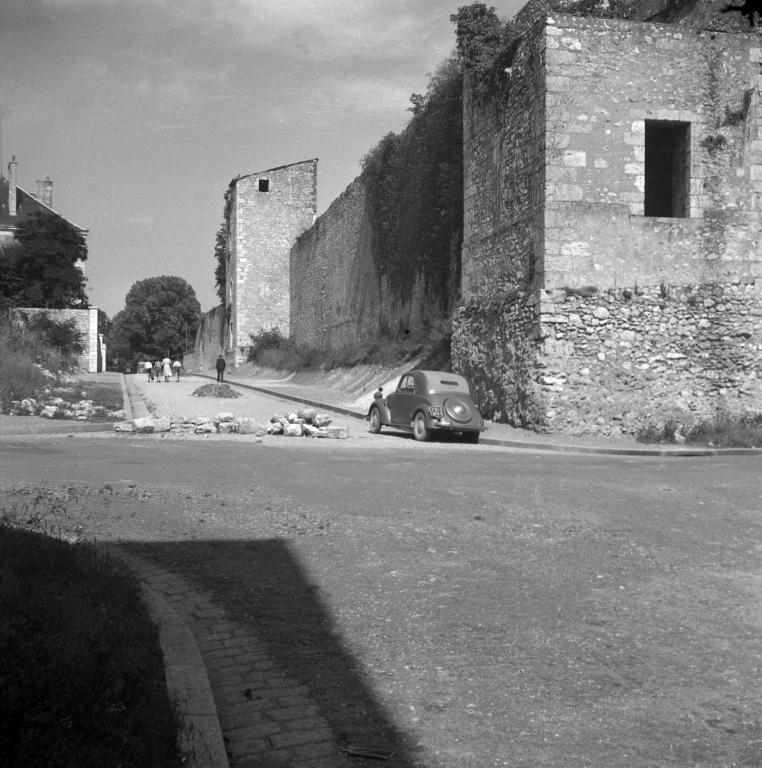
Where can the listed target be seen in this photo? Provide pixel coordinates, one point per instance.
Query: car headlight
(436, 411)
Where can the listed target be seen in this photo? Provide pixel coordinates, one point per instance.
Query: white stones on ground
(143, 425)
(245, 426)
(50, 412)
(225, 416)
(293, 430)
(337, 433)
(274, 428)
(321, 420)
(601, 313)
(307, 413)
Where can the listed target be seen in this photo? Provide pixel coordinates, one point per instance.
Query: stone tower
(264, 214)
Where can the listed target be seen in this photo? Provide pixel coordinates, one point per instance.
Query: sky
(142, 111)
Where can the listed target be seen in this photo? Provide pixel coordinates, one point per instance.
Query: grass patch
(81, 671)
(723, 431)
(103, 394)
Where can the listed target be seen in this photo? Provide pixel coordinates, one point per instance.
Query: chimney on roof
(45, 191)
(12, 186)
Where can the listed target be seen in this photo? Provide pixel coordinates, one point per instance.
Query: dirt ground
(466, 606)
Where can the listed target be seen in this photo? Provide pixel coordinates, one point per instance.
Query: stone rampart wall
(616, 359)
(335, 292)
(339, 296)
(504, 169)
(211, 340)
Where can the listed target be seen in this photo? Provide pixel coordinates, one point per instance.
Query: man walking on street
(220, 365)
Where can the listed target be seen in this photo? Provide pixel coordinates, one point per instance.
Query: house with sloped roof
(16, 206)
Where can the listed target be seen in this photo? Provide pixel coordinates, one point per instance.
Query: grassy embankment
(81, 670)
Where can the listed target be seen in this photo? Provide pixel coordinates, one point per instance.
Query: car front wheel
(421, 431)
(375, 420)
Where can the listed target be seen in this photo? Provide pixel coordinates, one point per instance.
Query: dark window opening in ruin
(264, 185)
(668, 163)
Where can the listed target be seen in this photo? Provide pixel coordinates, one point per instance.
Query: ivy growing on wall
(414, 183)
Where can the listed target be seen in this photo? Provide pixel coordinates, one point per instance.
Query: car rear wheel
(421, 430)
(375, 420)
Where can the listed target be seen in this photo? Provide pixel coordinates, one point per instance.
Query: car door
(401, 400)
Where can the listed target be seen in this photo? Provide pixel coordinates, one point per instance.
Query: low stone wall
(588, 362)
(93, 355)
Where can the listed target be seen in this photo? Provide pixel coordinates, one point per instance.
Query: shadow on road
(261, 586)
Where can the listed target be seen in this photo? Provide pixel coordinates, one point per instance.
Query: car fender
(383, 409)
(426, 415)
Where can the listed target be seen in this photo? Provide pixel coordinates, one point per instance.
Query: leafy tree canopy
(159, 314)
(40, 267)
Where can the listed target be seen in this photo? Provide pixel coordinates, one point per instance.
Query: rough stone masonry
(611, 257)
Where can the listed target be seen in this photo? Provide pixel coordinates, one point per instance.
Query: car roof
(432, 378)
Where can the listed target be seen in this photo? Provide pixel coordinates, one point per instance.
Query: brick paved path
(267, 719)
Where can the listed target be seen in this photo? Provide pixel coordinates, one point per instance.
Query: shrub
(726, 431)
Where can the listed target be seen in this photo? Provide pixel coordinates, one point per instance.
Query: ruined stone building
(611, 270)
(613, 218)
(264, 214)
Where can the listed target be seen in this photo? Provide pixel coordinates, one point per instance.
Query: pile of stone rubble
(305, 422)
(58, 408)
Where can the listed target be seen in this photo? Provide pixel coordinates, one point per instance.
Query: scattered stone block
(293, 430)
(307, 413)
(337, 433)
(245, 426)
(321, 420)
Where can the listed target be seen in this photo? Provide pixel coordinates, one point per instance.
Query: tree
(159, 314)
(220, 254)
(40, 268)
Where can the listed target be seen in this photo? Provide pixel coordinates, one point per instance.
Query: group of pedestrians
(162, 368)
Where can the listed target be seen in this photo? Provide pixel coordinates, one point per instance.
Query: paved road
(463, 606)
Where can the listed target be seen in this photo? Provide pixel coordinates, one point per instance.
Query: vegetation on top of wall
(414, 183)
(220, 255)
(487, 46)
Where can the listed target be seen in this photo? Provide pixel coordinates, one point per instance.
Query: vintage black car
(426, 402)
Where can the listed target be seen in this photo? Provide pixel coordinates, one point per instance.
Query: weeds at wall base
(723, 431)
